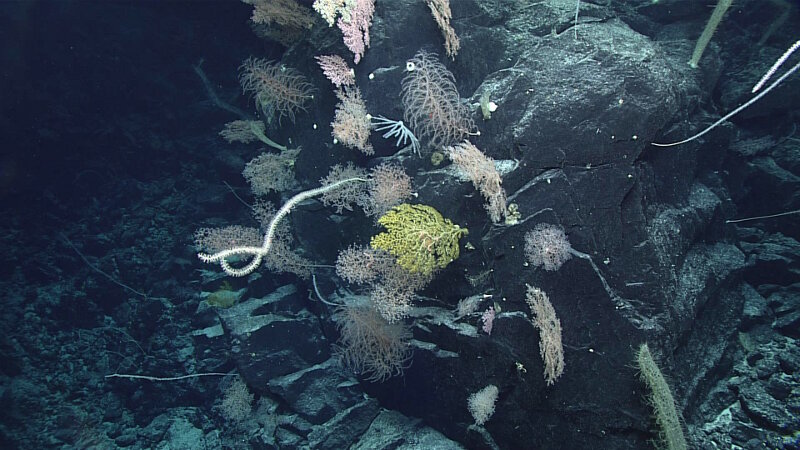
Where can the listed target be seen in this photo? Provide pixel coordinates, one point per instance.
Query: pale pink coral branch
(336, 70)
(356, 30)
(488, 320)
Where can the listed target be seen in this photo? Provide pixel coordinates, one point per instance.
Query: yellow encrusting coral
(419, 237)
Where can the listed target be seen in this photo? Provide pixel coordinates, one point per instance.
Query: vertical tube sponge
(661, 400)
(711, 26)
